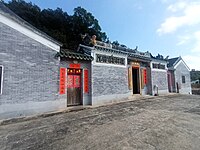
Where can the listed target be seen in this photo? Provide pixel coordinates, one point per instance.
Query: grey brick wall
(109, 82)
(159, 78)
(181, 70)
(31, 71)
(149, 81)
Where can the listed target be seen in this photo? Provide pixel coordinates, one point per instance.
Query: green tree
(195, 75)
(84, 22)
(116, 43)
(58, 24)
(27, 11)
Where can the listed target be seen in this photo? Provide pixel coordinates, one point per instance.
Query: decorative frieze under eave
(110, 50)
(139, 58)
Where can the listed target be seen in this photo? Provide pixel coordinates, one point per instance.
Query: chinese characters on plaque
(86, 88)
(62, 80)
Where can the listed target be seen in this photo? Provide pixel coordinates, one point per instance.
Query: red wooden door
(74, 87)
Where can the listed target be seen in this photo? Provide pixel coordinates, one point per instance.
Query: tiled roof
(172, 61)
(130, 53)
(135, 56)
(109, 49)
(159, 58)
(74, 55)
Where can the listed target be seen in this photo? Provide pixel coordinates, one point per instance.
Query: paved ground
(170, 122)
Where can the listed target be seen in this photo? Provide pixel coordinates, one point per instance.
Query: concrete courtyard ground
(167, 122)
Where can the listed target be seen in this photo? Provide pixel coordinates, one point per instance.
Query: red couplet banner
(86, 86)
(62, 80)
(145, 76)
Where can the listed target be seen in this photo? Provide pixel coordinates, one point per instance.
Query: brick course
(109, 80)
(31, 71)
(159, 78)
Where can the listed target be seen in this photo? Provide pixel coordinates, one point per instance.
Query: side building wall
(181, 70)
(149, 81)
(30, 78)
(109, 84)
(109, 81)
(159, 78)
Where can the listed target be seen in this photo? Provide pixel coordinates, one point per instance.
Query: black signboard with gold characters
(110, 59)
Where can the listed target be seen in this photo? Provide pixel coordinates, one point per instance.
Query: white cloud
(171, 24)
(184, 13)
(183, 39)
(190, 16)
(193, 61)
(177, 6)
(197, 42)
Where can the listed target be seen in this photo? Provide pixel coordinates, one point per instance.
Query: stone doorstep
(78, 108)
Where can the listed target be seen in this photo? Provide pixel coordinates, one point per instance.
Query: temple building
(38, 76)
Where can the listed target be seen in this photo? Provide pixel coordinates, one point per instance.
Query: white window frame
(1, 80)
(183, 78)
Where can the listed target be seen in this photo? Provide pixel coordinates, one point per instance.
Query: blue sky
(167, 27)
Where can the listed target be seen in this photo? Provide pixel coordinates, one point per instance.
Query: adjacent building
(179, 76)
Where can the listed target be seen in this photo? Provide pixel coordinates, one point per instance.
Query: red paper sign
(74, 65)
(145, 76)
(86, 88)
(70, 81)
(62, 80)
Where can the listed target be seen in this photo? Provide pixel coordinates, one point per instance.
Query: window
(1, 79)
(183, 79)
(155, 65)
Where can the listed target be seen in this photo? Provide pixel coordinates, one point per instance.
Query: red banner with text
(145, 76)
(62, 80)
(86, 86)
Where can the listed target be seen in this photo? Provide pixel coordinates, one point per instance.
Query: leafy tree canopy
(195, 75)
(58, 24)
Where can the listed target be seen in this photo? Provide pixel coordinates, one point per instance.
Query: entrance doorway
(136, 81)
(169, 82)
(74, 87)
